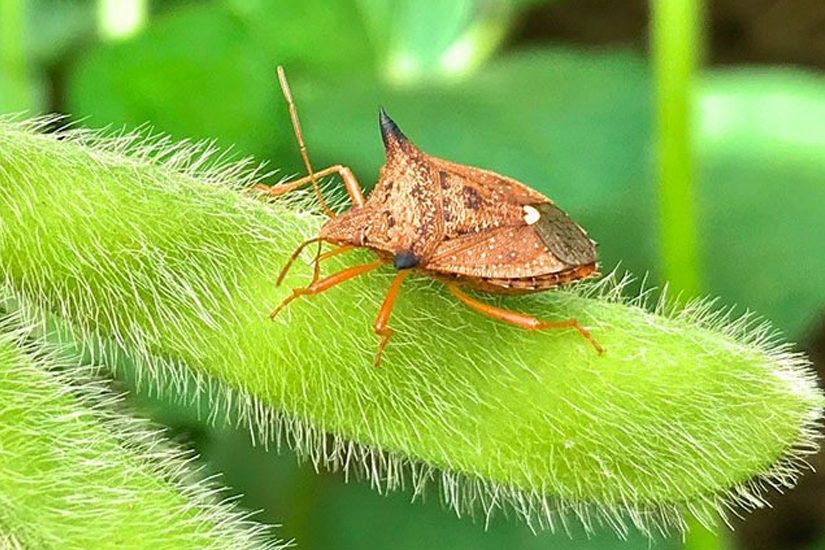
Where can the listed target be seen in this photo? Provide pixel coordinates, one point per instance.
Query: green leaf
(422, 32)
(422, 39)
(314, 36)
(194, 74)
(686, 412)
(76, 474)
(55, 28)
(18, 88)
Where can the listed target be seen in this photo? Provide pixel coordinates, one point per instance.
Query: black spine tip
(390, 132)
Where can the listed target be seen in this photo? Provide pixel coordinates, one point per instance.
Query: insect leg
(520, 319)
(317, 261)
(328, 282)
(293, 257)
(380, 325)
(336, 251)
(350, 182)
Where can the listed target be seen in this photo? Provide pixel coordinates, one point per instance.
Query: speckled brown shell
(464, 224)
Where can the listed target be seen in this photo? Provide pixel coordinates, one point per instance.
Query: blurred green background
(692, 150)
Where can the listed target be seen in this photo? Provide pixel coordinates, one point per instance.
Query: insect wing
(501, 253)
(562, 236)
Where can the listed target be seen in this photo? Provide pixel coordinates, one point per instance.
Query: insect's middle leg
(380, 325)
(326, 283)
(520, 319)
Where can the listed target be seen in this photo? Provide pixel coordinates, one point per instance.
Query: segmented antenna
(296, 126)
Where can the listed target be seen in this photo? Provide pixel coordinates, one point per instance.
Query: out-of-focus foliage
(762, 198)
(198, 74)
(574, 124)
(282, 29)
(59, 27)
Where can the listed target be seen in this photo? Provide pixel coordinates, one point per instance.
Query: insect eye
(405, 260)
(531, 215)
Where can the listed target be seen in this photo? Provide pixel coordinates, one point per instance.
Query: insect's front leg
(326, 283)
(380, 325)
(294, 256)
(351, 184)
(316, 270)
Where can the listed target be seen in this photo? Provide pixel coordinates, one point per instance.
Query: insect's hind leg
(521, 320)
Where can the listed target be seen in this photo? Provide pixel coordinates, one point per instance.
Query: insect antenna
(296, 126)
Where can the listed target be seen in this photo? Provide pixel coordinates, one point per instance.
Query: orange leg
(353, 188)
(318, 258)
(380, 325)
(326, 283)
(293, 257)
(351, 184)
(336, 251)
(519, 319)
(316, 267)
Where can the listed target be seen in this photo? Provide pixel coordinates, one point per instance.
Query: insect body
(464, 226)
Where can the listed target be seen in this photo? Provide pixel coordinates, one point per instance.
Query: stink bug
(461, 225)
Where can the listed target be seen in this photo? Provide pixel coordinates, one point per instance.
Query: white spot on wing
(531, 215)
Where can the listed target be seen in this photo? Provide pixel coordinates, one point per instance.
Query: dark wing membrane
(563, 237)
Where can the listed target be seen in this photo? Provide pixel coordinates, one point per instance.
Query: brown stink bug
(461, 225)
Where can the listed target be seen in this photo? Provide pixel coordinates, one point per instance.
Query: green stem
(677, 53)
(683, 412)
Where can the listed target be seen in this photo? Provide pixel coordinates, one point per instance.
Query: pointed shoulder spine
(390, 133)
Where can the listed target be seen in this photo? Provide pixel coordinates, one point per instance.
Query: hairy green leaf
(687, 411)
(76, 474)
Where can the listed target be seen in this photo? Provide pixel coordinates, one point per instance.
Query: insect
(461, 225)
